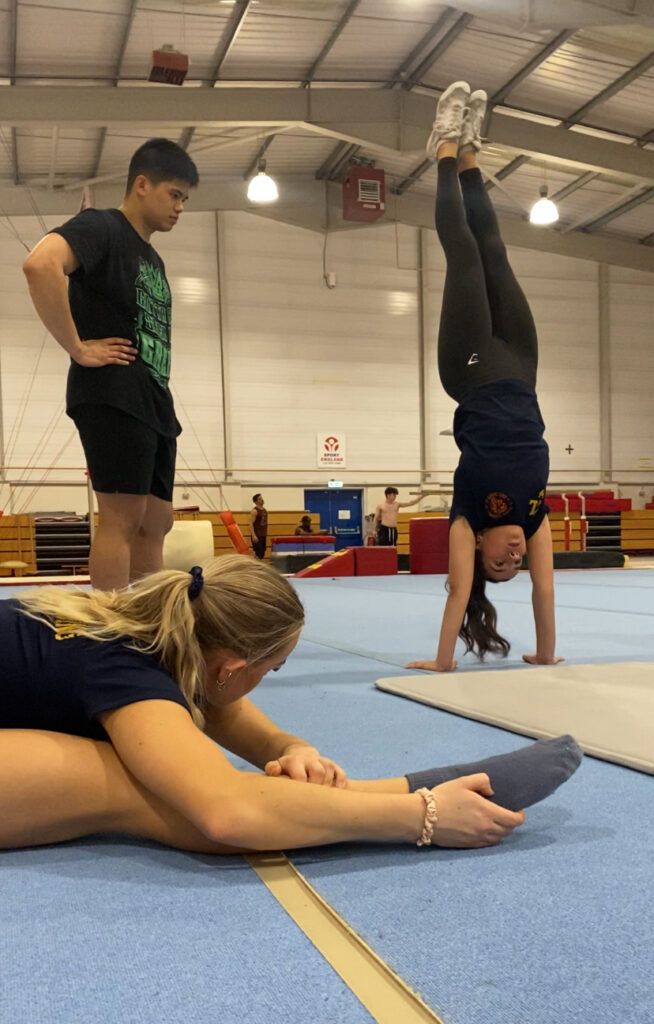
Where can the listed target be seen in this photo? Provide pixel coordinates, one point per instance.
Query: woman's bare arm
(159, 744)
(541, 570)
(461, 569)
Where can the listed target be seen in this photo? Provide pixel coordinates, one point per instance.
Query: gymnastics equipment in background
(362, 561)
(190, 542)
(235, 535)
(429, 546)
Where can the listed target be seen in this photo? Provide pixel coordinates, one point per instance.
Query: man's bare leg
(146, 549)
(119, 519)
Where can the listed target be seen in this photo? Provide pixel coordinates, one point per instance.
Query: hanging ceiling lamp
(262, 188)
(544, 211)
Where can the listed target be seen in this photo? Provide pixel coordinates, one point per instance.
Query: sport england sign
(331, 451)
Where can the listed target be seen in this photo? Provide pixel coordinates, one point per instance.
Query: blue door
(339, 509)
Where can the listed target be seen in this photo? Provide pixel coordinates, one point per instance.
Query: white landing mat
(609, 709)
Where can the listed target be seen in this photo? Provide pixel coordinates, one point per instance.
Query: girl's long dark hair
(479, 632)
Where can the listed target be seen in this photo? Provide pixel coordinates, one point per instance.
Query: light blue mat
(605, 615)
(110, 932)
(551, 925)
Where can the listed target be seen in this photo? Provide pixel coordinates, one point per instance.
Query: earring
(221, 683)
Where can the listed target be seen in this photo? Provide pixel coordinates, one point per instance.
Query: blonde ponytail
(244, 606)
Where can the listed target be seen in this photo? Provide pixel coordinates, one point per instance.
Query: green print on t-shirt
(153, 320)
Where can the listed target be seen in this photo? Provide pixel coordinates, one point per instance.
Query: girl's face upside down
(501, 549)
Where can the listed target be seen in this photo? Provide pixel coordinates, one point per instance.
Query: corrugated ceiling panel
(297, 154)
(638, 223)
(33, 152)
(197, 35)
(91, 6)
(630, 111)
(276, 47)
(352, 56)
(214, 160)
(324, 10)
(120, 144)
(567, 80)
(425, 11)
(486, 54)
(588, 201)
(67, 43)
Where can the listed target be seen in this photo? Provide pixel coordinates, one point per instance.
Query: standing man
(385, 521)
(258, 526)
(113, 317)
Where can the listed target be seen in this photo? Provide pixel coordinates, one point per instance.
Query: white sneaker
(473, 120)
(449, 117)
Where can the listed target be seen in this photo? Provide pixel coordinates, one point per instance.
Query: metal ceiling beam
(13, 46)
(302, 202)
(619, 211)
(391, 120)
(338, 29)
(508, 169)
(333, 164)
(620, 83)
(400, 73)
(234, 25)
(411, 178)
(567, 190)
(452, 34)
(539, 58)
(116, 78)
(229, 36)
(410, 79)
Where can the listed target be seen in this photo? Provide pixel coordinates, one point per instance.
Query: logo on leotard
(474, 358)
(535, 503)
(498, 505)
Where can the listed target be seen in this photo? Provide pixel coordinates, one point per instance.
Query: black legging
(487, 331)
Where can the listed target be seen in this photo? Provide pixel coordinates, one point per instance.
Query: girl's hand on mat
(103, 351)
(306, 764)
(432, 666)
(533, 659)
(466, 819)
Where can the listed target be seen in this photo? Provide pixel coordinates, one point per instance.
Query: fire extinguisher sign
(331, 451)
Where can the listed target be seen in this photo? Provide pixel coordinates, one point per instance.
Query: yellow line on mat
(386, 997)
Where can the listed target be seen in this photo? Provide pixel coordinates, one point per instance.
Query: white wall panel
(632, 373)
(304, 358)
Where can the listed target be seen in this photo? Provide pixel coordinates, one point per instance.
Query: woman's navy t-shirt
(59, 681)
(504, 465)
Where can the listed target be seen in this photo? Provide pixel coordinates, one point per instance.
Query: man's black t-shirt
(59, 681)
(504, 465)
(120, 290)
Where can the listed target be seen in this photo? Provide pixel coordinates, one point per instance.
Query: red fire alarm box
(364, 194)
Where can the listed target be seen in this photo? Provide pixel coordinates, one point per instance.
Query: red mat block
(341, 563)
(377, 561)
(429, 546)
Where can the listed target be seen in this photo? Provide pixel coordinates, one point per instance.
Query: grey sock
(518, 779)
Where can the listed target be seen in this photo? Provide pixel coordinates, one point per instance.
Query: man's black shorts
(123, 455)
(386, 536)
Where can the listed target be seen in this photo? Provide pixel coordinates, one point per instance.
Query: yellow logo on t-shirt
(535, 503)
(66, 630)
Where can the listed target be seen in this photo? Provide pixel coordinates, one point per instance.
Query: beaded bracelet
(431, 817)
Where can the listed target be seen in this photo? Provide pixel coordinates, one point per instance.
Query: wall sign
(331, 450)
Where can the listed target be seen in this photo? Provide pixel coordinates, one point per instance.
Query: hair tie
(196, 583)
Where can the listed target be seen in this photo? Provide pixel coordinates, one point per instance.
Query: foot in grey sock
(518, 779)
